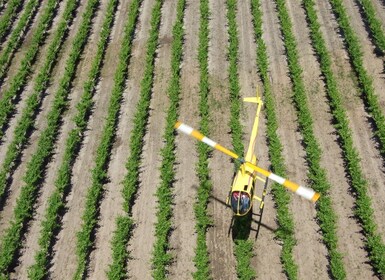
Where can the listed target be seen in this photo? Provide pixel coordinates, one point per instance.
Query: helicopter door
(240, 202)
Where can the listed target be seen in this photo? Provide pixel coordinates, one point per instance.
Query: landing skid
(261, 207)
(231, 225)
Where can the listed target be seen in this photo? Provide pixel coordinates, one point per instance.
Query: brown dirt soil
(379, 6)
(220, 245)
(313, 262)
(249, 83)
(183, 237)
(351, 242)
(26, 33)
(31, 243)
(111, 205)
(310, 253)
(144, 210)
(322, 127)
(19, 54)
(13, 69)
(40, 124)
(275, 51)
(65, 260)
(373, 166)
(19, 13)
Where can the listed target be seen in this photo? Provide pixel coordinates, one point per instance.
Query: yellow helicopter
(241, 195)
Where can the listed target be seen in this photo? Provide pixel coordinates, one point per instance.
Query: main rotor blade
(305, 192)
(298, 189)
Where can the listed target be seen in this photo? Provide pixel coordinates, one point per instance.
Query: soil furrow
(280, 83)
(19, 54)
(220, 244)
(314, 262)
(111, 206)
(322, 126)
(40, 125)
(144, 209)
(250, 83)
(31, 243)
(64, 260)
(350, 242)
(19, 33)
(379, 6)
(183, 238)
(13, 20)
(310, 254)
(373, 64)
(375, 166)
(15, 64)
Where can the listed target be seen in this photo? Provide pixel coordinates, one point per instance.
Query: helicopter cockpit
(240, 202)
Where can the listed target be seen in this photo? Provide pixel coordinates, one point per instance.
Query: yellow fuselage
(242, 189)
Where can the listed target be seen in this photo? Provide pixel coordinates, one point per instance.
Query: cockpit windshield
(240, 202)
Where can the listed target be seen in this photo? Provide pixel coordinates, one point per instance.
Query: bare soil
(15, 67)
(372, 163)
(250, 84)
(16, 17)
(220, 244)
(64, 261)
(351, 242)
(111, 206)
(40, 124)
(183, 237)
(26, 42)
(31, 243)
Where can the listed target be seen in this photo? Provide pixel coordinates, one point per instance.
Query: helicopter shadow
(240, 228)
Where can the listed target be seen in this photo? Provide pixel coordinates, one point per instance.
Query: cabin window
(240, 202)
